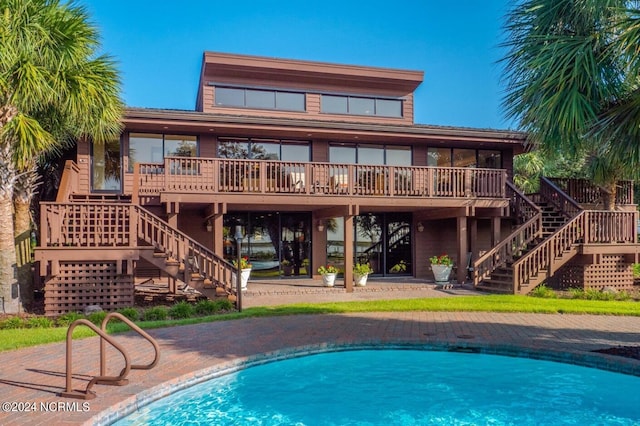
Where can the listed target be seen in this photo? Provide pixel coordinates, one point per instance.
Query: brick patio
(192, 353)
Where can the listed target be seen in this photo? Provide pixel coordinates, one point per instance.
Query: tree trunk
(22, 232)
(9, 288)
(608, 194)
(23, 191)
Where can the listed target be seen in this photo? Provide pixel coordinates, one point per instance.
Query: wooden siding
(84, 167)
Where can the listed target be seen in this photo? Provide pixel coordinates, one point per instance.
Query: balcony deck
(257, 182)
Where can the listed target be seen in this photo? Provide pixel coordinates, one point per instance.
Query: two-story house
(320, 164)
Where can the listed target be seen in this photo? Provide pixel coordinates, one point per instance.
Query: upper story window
(259, 99)
(456, 157)
(358, 105)
(153, 147)
(392, 155)
(263, 149)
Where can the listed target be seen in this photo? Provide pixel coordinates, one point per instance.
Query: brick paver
(191, 353)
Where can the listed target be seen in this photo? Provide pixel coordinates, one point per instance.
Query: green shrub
(130, 313)
(206, 307)
(97, 317)
(636, 270)
(39, 322)
(224, 305)
(156, 313)
(544, 292)
(66, 319)
(623, 296)
(13, 322)
(577, 293)
(593, 294)
(182, 310)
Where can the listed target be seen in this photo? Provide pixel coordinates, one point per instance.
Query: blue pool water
(403, 387)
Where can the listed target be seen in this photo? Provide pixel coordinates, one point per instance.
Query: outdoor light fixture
(209, 226)
(420, 227)
(320, 226)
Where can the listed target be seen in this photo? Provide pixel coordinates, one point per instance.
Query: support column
(473, 237)
(463, 235)
(217, 234)
(496, 224)
(348, 253)
(173, 209)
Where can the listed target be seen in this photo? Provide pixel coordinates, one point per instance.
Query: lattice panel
(87, 283)
(568, 276)
(612, 271)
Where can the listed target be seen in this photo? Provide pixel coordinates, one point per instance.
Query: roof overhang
(157, 120)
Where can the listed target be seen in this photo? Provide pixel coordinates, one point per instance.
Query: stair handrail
(522, 206)
(134, 327)
(68, 181)
(182, 248)
(556, 196)
(546, 255)
(514, 243)
(88, 394)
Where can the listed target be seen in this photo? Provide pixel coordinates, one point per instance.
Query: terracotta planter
(441, 273)
(328, 280)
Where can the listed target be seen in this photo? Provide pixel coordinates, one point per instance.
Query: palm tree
(567, 77)
(52, 86)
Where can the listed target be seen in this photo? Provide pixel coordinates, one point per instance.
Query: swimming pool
(403, 387)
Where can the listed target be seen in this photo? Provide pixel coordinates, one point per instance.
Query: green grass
(18, 338)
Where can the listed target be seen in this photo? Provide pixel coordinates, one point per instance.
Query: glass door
(384, 242)
(398, 244)
(295, 247)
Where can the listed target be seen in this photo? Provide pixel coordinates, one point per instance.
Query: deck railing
(86, 225)
(584, 191)
(559, 198)
(218, 175)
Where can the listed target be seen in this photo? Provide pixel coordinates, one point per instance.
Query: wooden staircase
(111, 228)
(501, 279)
(552, 230)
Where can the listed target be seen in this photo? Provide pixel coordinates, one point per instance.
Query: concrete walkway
(31, 378)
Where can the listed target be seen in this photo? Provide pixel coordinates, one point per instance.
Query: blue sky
(159, 44)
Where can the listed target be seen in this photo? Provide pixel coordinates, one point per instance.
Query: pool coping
(588, 359)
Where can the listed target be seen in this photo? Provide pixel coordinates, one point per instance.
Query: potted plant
(441, 267)
(329, 274)
(287, 268)
(245, 271)
(360, 273)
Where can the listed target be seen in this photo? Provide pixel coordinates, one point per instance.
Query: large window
(106, 166)
(263, 149)
(455, 157)
(359, 105)
(259, 99)
(153, 147)
(370, 154)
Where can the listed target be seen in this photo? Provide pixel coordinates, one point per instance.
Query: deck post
(348, 252)
(462, 234)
